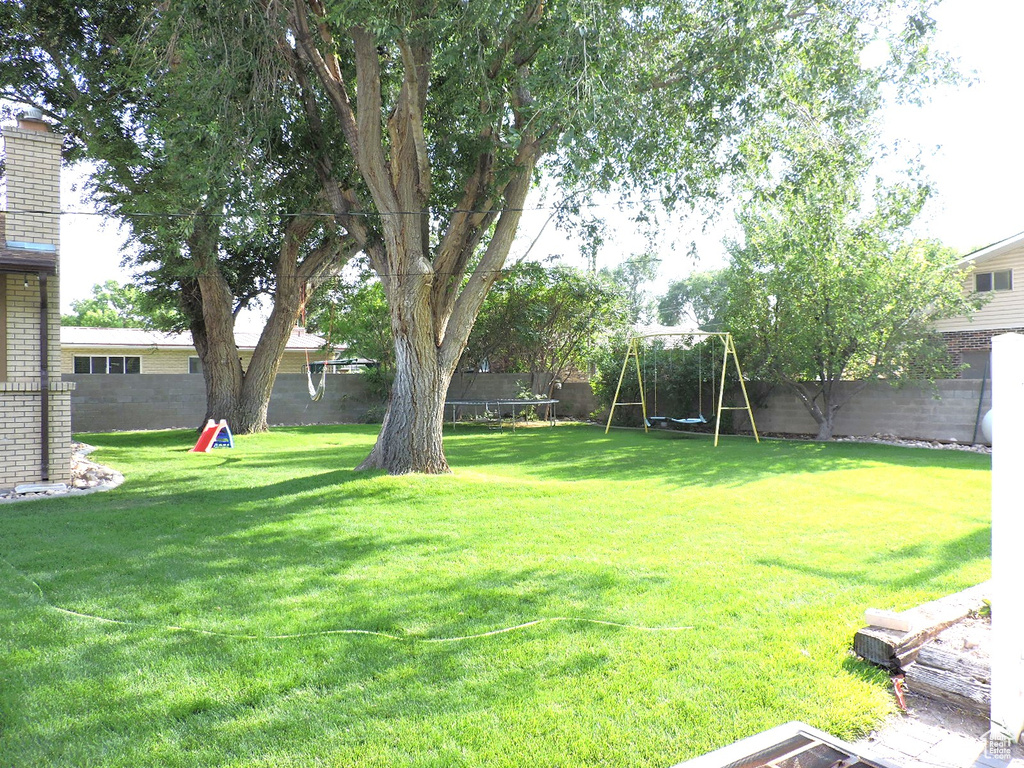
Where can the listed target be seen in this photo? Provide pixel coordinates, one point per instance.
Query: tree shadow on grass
(254, 554)
(570, 452)
(888, 570)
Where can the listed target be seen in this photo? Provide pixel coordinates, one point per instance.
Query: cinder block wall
(914, 412)
(165, 401)
(33, 183)
(169, 401)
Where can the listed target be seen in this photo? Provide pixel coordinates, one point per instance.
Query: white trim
(996, 249)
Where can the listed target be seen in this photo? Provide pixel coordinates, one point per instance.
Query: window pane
(133, 365)
(116, 365)
(99, 365)
(1003, 281)
(983, 281)
(194, 366)
(82, 365)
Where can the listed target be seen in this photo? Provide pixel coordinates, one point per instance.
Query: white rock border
(86, 477)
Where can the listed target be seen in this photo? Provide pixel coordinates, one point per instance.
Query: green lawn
(224, 576)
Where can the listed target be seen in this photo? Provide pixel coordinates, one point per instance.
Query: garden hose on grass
(325, 632)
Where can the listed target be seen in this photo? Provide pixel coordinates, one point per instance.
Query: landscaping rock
(86, 477)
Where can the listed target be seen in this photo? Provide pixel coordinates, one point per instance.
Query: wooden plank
(963, 691)
(941, 659)
(949, 610)
(878, 645)
(875, 617)
(894, 650)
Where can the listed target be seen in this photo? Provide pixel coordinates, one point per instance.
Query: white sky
(971, 138)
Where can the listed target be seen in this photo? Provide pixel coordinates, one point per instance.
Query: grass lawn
(223, 576)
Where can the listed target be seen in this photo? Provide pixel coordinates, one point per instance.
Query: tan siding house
(997, 273)
(136, 350)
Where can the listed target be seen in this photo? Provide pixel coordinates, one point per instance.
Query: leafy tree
(424, 126)
(699, 300)
(825, 289)
(119, 306)
(200, 149)
(449, 110)
(632, 277)
(541, 319)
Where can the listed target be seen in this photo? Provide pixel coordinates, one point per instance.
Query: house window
(194, 366)
(993, 281)
(108, 364)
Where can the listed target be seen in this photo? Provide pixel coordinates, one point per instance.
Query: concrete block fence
(916, 411)
(163, 401)
(166, 401)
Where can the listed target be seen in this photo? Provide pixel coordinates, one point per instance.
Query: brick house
(136, 350)
(992, 272)
(35, 405)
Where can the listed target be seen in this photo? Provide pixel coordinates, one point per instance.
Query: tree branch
(467, 305)
(329, 74)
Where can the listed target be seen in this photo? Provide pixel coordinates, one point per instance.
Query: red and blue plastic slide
(214, 436)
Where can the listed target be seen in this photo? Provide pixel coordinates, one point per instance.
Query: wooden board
(939, 658)
(894, 649)
(964, 690)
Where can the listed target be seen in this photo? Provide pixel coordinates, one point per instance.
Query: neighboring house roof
(654, 329)
(992, 251)
(79, 337)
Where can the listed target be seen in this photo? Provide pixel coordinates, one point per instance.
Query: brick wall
(23, 327)
(959, 342)
(33, 183)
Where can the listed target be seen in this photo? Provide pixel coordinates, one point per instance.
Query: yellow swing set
(728, 351)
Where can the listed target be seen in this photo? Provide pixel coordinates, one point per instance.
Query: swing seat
(694, 420)
(652, 420)
(316, 391)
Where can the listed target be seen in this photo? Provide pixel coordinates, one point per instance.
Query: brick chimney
(35, 404)
(33, 184)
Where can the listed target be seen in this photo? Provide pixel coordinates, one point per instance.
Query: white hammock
(316, 391)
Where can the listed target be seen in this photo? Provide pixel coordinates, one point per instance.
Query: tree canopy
(449, 111)
(119, 306)
(828, 286)
(197, 147)
(422, 128)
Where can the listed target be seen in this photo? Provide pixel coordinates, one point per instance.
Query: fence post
(1007, 542)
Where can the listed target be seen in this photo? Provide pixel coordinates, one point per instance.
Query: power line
(318, 214)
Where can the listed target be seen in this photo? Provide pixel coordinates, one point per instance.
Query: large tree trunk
(222, 367)
(258, 380)
(434, 292)
(212, 323)
(410, 438)
(240, 397)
